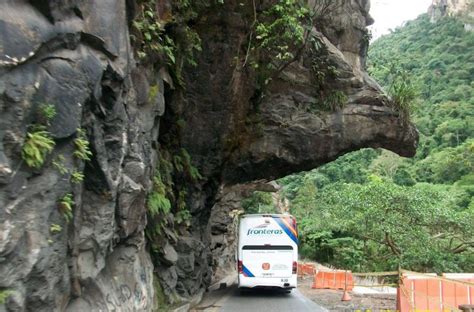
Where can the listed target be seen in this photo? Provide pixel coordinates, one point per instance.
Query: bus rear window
(267, 247)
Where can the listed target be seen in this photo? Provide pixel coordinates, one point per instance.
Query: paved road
(262, 301)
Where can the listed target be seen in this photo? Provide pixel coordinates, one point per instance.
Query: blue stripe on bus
(246, 272)
(286, 229)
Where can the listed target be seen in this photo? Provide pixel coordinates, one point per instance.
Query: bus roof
(266, 215)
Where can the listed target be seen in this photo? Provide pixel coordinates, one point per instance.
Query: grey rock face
(170, 256)
(237, 135)
(76, 56)
(440, 8)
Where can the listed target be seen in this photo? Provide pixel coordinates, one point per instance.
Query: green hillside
(372, 210)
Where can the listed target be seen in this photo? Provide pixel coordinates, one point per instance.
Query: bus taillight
(294, 225)
(240, 267)
(295, 267)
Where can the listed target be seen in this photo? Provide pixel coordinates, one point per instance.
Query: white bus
(267, 251)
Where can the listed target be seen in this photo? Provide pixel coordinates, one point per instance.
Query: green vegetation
(149, 32)
(259, 202)
(183, 217)
(402, 91)
(39, 143)
(65, 206)
(157, 201)
(77, 177)
(334, 101)
(81, 143)
(37, 146)
(47, 113)
(279, 36)
(161, 304)
(158, 40)
(153, 92)
(58, 163)
(372, 210)
(379, 225)
(55, 228)
(4, 294)
(173, 177)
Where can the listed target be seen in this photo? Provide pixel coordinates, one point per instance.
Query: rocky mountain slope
(99, 145)
(457, 8)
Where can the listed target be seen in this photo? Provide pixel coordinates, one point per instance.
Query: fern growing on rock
(37, 146)
(65, 206)
(81, 143)
(158, 203)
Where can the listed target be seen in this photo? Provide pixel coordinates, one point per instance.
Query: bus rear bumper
(267, 282)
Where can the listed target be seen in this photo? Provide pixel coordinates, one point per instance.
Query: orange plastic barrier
(309, 269)
(422, 293)
(300, 270)
(333, 280)
(456, 294)
(306, 269)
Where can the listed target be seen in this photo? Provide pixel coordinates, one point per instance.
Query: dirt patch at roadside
(331, 299)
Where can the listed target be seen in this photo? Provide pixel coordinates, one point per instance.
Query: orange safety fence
(309, 269)
(300, 270)
(306, 269)
(429, 292)
(333, 280)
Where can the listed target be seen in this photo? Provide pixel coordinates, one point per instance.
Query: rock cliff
(440, 8)
(88, 132)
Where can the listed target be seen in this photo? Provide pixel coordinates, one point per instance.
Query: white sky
(389, 14)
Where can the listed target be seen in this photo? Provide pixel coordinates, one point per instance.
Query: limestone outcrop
(440, 8)
(73, 227)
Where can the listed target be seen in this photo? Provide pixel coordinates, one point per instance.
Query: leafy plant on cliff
(168, 40)
(77, 177)
(173, 177)
(259, 202)
(401, 89)
(148, 31)
(65, 206)
(280, 31)
(183, 217)
(4, 294)
(58, 163)
(37, 146)
(191, 171)
(280, 35)
(47, 113)
(55, 228)
(81, 143)
(277, 38)
(157, 202)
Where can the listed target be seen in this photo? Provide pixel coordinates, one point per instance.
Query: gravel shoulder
(331, 299)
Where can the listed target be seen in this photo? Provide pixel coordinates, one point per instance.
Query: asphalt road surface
(262, 301)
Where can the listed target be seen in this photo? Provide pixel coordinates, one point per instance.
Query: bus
(267, 251)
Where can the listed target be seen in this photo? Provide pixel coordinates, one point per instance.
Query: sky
(389, 14)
